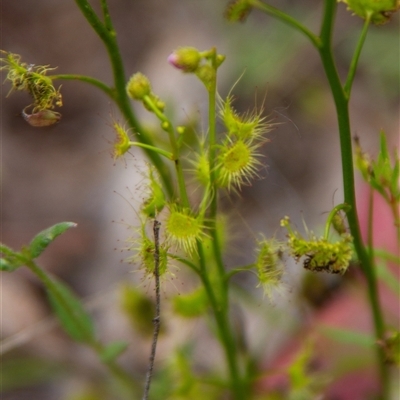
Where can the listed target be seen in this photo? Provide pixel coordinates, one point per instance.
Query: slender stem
(168, 127)
(224, 330)
(108, 35)
(341, 103)
(219, 303)
(164, 153)
(356, 56)
(341, 97)
(88, 79)
(370, 232)
(106, 15)
(287, 19)
(331, 215)
(185, 261)
(212, 95)
(156, 319)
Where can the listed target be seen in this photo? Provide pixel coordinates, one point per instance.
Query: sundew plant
(184, 229)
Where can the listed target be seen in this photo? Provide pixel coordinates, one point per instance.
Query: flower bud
(185, 58)
(138, 86)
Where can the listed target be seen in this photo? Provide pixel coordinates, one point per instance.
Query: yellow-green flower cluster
(269, 265)
(122, 143)
(238, 156)
(319, 253)
(144, 248)
(184, 229)
(32, 79)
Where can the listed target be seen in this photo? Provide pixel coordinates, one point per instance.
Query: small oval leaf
(44, 238)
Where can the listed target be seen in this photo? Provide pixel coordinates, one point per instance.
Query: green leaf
(69, 309)
(388, 277)
(394, 184)
(24, 372)
(191, 305)
(8, 265)
(347, 336)
(6, 250)
(112, 351)
(11, 260)
(44, 238)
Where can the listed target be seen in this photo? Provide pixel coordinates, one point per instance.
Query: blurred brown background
(66, 172)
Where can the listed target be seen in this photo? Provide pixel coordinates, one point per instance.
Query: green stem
(370, 232)
(164, 153)
(167, 126)
(220, 303)
(212, 137)
(186, 262)
(356, 56)
(331, 215)
(108, 35)
(106, 15)
(341, 103)
(323, 43)
(244, 268)
(287, 19)
(224, 330)
(87, 79)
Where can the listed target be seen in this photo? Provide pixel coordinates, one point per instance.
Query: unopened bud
(138, 86)
(185, 58)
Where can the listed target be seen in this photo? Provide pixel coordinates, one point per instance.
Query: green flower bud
(185, 58)
(138, 86)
